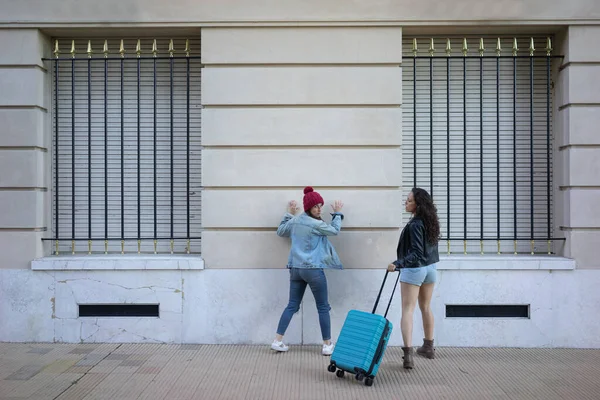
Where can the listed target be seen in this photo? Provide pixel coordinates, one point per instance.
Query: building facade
(148, 151)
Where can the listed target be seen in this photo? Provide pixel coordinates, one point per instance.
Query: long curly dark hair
(427, 211)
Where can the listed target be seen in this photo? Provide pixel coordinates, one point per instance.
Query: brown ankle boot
(408, 358)
(427, 349)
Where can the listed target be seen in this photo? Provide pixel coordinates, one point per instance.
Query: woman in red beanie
(310, 254)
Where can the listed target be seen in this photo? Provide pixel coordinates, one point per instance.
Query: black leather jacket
(414, 250)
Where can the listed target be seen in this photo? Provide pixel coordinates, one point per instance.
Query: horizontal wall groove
(300, 188)
(23, 189)
(579, 229)
(565, 188)
(23, 66)
(422, 25)
(579, 146)
(301, 147)
(304, 65)
(23, 107)
(24, 148)
(41, 229)
(302, 105)
(568, 105)
(579, 63)
(274, 228)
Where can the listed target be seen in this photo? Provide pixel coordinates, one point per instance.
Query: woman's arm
(324, 229)
(416, 249)
(285, 226)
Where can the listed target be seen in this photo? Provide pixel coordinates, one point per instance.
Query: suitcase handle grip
(381, 290)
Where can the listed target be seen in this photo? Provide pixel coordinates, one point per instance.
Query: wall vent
(118, 310)
(487, 311)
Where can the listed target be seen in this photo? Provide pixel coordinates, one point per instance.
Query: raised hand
(337, 206)
(293, 207)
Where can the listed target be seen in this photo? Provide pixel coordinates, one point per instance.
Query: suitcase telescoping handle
(381, 290)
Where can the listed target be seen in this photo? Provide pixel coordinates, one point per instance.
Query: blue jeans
(315, 278)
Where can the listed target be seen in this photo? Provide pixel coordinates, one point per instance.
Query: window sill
(505, 262)
(118, 263)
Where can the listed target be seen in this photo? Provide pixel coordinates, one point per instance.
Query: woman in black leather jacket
(417, 255)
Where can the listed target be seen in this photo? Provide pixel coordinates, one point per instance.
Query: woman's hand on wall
(337, 206)
(293, 207)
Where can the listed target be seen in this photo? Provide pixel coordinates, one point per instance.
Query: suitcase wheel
(369, 382)
(339, 373)
(360, 376)
(331, 367)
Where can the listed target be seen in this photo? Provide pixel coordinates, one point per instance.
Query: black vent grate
(118, 310)
(487, 311)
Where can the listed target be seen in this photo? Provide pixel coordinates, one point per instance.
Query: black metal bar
(465, 147)
(89, 148)
(548, 59)
(515, 148)
(154, 160)
(431, 127)
(531, 141)
(484, 57)
(502, 238)
(448, 141)
(198, 238)
(498, 148)
(105, 148)
(481, 146)
(130, 58)
(56, 129)
(139, 200)
(73, 148)
(145, 238)
(122, 154)
(187, 148)
(199, 57)
(415, 122)
(171, 145)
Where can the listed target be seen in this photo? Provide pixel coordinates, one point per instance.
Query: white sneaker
(327, 349)
(279, 346)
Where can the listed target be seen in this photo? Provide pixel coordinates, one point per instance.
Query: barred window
(477, 135)
(126, 137)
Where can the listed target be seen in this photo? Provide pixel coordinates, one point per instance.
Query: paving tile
(91, 359)
(190, 347)
(40, 350)
(160, 371)
(117, 356)
(132, 363)
(59, 366)
(25, 373)
(79, 370)
(83, 350)
(149, 370)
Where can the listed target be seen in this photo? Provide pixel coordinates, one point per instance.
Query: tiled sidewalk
(157, 371)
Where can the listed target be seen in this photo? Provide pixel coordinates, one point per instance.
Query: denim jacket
(310, 246)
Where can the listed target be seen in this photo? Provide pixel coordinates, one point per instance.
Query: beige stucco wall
(295, 105)
(577, 168)
(24, 144)
(290, 107)
(186, 12)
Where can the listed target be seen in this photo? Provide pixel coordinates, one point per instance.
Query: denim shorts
(419, 276)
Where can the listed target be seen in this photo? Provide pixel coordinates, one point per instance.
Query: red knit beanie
(311, 198)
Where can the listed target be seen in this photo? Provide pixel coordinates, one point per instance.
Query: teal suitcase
(362, 342)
